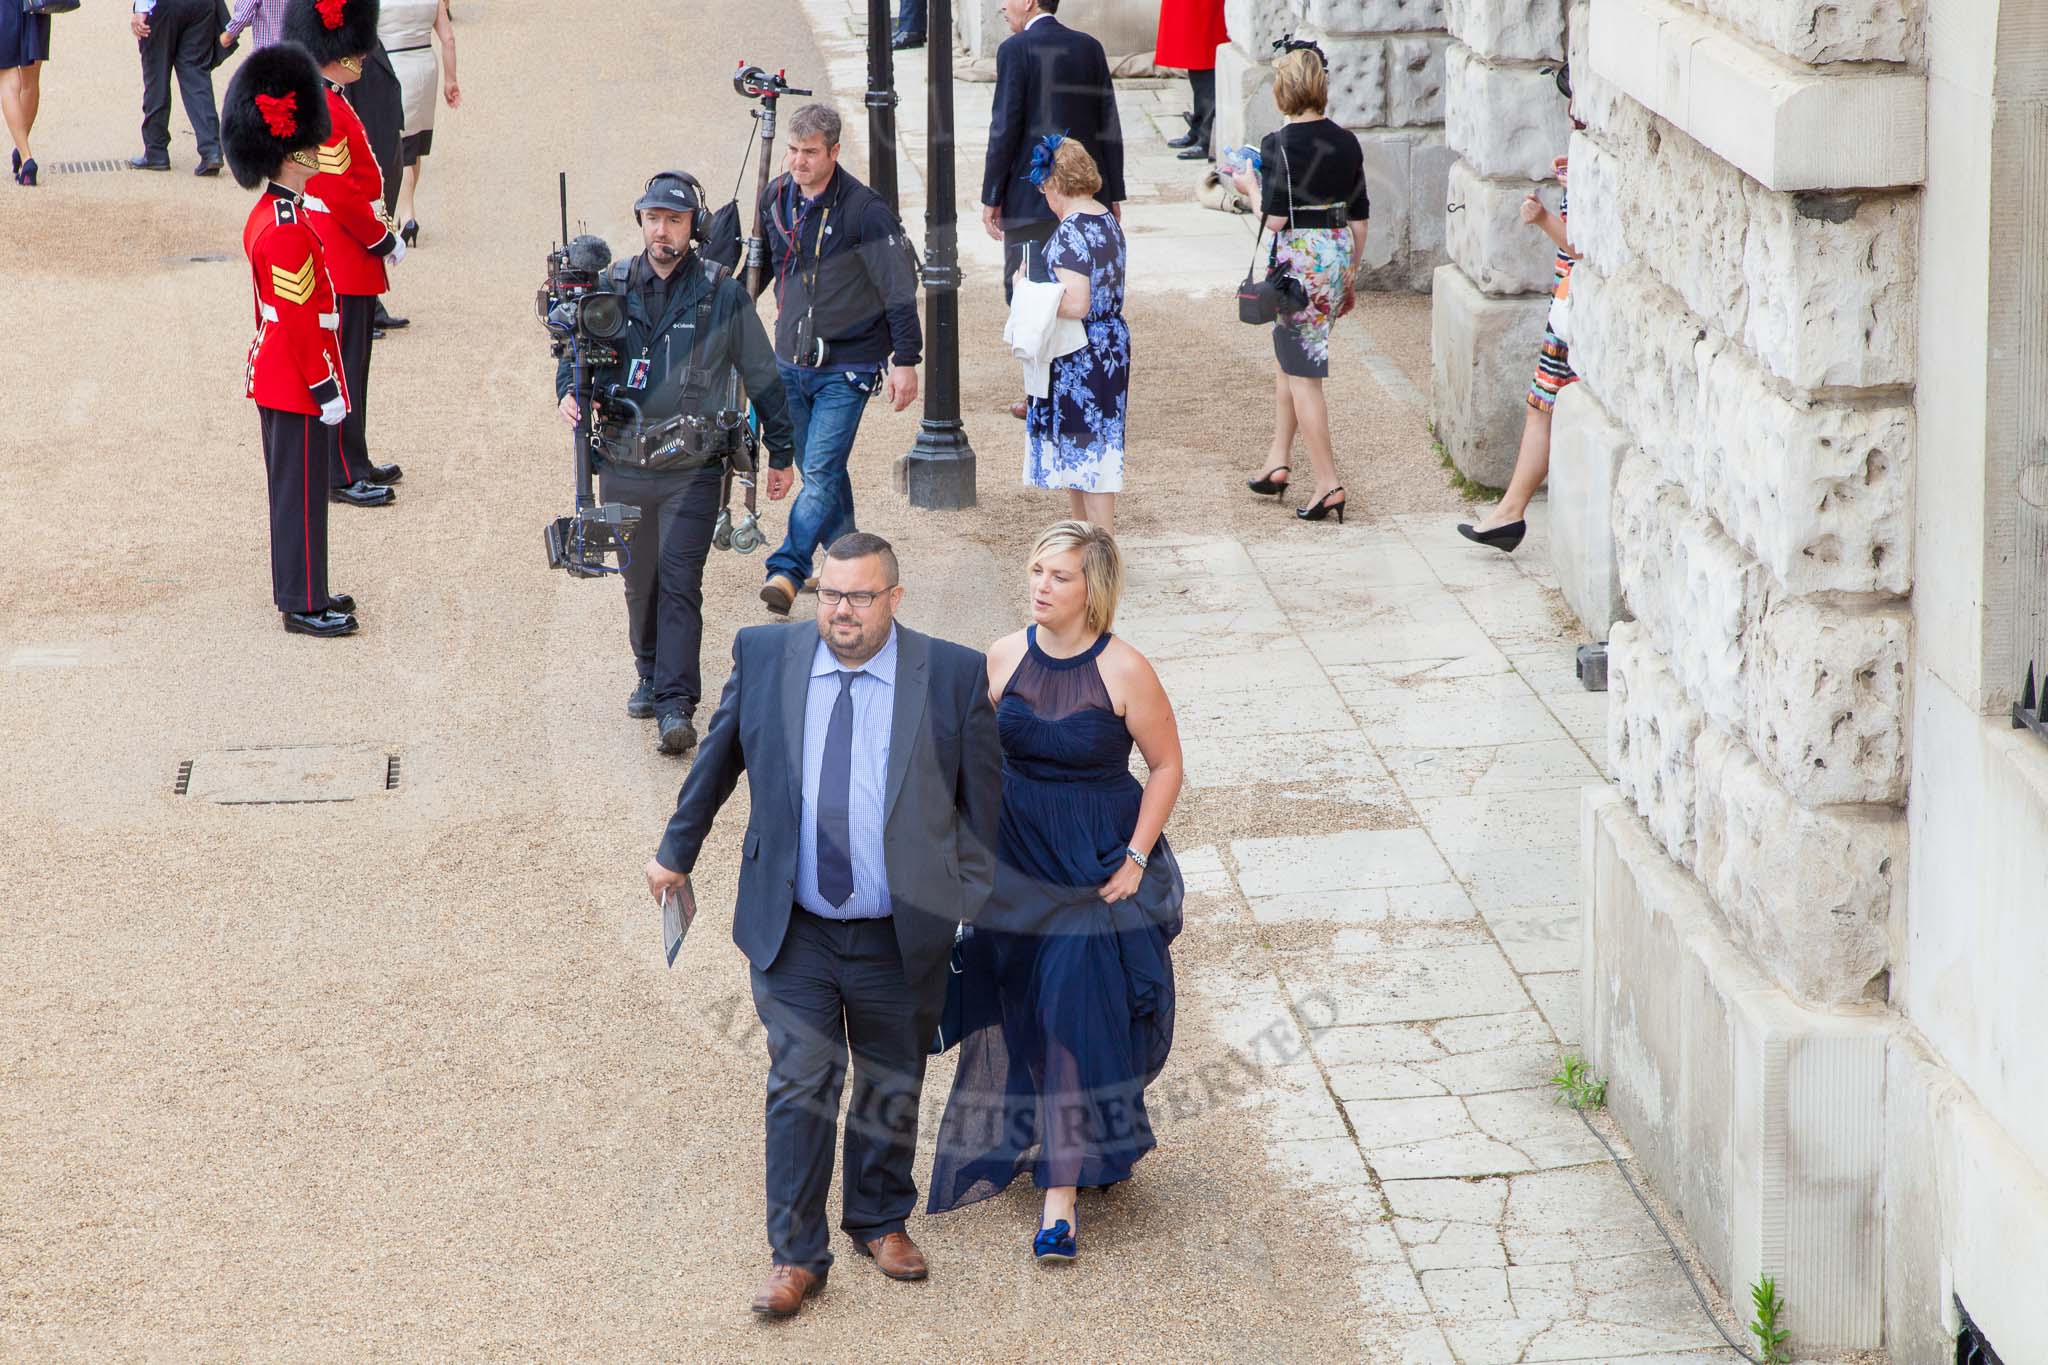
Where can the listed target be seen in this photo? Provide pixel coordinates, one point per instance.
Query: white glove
(332, 411)
(397, 250)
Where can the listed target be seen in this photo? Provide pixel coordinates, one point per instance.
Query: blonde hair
(1074, 173)
(1102, 567)
(1300, 85)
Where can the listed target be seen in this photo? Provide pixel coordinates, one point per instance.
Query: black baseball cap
(676, 191)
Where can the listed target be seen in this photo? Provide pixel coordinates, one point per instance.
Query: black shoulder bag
(1279, 292)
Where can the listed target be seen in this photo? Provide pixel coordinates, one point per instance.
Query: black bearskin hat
(332, 29)
(275, 106)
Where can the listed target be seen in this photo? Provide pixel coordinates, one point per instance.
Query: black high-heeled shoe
(1322, 507)
(1503, 538)
(27, 174)
(411, 233)
(1266, 483)
(15, 169)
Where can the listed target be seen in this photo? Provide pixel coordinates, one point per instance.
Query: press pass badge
(678, 908)
(636, 374)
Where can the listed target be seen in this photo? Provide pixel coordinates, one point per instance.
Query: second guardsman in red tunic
(273, 118)
(346, 200)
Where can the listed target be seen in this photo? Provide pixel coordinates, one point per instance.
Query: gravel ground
(400, 1074)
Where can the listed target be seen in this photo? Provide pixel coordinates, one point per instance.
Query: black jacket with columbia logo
(661, 330)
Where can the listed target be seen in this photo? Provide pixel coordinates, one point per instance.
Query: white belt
(317, 205)
(330, 321)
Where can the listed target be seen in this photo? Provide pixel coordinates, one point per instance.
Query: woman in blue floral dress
(1074, 438)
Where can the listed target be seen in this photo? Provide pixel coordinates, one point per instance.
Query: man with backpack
(847, 328)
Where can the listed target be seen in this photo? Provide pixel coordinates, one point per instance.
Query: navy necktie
(835, 782)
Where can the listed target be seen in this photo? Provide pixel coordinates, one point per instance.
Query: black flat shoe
(384, 473)
(1503, 538)
(1322, 507)
(341, 602)
(210, 166)
(410, 233)
(903, 42)
(382, 318)
(376, 334)
(640, 705)
(1198, 152)
(1266, 483)
(144, 163)
(1187, 139)
(322, 624)
(362, 493)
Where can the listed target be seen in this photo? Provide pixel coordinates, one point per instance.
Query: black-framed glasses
(859, 601)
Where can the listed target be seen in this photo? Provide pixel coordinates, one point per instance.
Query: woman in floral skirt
(1311, 187)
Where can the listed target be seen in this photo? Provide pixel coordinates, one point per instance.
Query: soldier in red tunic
(274, 116)
(346, 202)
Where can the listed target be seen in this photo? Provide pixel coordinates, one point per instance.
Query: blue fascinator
(1041, 159)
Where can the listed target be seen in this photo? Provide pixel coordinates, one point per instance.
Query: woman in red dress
(1190, 31)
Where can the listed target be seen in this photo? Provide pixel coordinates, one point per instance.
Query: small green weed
(1466, 488)
(1575, 1084)
(1770, 1338)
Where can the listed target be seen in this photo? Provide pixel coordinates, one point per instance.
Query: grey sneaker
(678, 736)
(640, 706)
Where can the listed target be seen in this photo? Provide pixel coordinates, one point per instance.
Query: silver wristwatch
(1135, 857)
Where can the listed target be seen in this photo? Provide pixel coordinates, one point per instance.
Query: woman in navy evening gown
(1066, 977)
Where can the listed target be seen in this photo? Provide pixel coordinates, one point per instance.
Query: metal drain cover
(89, 167)
(288, 774)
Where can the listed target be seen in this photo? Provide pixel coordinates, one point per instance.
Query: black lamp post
(939, 471)
(881, 105)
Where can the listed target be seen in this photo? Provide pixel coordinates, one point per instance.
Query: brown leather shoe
(896, 1256)
(785, 1290)
(777, 594)
(1017, 409)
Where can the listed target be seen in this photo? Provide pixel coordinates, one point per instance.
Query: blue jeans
(825, 408)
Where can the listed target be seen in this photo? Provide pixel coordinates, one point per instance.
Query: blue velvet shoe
(1055, 1244)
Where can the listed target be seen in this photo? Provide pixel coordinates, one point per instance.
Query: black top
(1327, 163)
(1049, 79)
(845, 256)
(660, 342)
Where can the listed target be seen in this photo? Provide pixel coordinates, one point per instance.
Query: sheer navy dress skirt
(1070, 1000)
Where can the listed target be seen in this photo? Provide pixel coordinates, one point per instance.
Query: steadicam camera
(584, 323)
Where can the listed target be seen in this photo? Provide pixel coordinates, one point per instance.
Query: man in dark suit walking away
(875, 776)
(175, 37)
(1049, 79)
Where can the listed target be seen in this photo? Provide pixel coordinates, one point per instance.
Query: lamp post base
(938, 473)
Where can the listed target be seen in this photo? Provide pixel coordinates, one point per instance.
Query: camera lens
(602, 315)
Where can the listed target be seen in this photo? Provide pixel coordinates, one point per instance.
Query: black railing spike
(2027, 693)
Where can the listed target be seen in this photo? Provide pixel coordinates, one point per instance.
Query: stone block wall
(1505, 122)
(1387, 79)
(1745, 324)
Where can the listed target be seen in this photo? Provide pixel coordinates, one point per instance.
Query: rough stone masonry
(1744, 323)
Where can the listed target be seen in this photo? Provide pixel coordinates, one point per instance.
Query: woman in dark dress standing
(1066, 975)
(24, 47)
(1311, 188)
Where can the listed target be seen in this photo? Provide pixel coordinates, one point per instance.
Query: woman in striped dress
(1504, 527)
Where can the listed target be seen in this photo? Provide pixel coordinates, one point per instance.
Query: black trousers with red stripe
(352, 451)
(296, 452)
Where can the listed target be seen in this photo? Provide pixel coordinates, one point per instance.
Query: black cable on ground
(1676, 1255)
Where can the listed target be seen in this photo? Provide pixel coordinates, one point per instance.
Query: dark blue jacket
(943, 797)
(1049, 79)
(847, 256)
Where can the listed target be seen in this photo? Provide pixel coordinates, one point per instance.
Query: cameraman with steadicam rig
(669, 416)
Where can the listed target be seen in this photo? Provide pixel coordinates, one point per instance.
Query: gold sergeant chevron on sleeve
(334, 158)
(293, 286)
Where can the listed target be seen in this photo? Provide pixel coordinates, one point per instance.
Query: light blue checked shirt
(874, 706)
